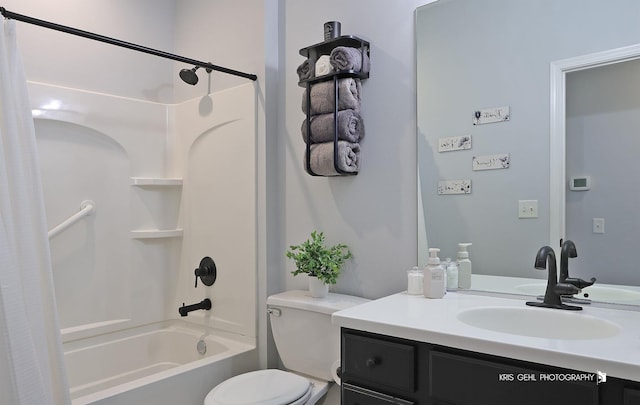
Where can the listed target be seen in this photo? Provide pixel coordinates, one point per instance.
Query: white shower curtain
(31, 362)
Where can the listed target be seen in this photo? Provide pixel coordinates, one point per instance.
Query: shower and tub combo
(123, 265)
(133, 258)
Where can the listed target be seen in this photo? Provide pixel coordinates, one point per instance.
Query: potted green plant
(322, 264)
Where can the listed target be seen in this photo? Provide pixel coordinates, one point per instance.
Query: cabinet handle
(372, 362)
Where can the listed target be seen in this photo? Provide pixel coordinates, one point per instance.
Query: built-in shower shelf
(156, 233)
(156, 182)
(156, 192)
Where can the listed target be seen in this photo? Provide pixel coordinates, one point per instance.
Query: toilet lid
(265, 387)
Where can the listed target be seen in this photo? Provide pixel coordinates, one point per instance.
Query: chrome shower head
(189, 75)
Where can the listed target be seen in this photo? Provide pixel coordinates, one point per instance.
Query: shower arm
(97, 37)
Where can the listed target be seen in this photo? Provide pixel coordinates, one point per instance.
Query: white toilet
(309, 346)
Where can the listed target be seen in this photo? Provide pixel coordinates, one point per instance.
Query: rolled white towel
(321, 158)
(323, 66)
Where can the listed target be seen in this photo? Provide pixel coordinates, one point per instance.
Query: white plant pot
(317, 287)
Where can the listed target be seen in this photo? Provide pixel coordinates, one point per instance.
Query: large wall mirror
(514, 99)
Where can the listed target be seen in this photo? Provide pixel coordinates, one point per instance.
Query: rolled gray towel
(322, 96)
(350, 127)
(321, 159)
(348, 58)
(304, 70)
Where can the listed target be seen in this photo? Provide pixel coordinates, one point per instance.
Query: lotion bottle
(434, 277)
(464, 266)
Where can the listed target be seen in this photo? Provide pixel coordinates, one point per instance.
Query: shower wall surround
(171, 183)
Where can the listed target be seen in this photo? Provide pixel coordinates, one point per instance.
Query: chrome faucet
(568, 250)
(554, 291)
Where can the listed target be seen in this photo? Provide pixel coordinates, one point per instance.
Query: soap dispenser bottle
(464, 266)
(434, 277)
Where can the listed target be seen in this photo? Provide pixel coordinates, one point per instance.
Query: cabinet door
(352, 395)
(379, 362)
(631, 396)
(465, 379)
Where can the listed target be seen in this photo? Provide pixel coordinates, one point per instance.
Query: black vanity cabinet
(379, 370)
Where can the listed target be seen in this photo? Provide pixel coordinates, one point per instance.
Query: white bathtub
(155, 364)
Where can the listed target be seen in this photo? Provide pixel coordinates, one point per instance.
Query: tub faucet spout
(204, 304)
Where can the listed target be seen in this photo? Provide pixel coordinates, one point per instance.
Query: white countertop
(435, 321)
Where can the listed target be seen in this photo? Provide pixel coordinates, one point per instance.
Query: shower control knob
(207, 272)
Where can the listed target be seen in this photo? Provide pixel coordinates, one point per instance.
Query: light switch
(528, 209)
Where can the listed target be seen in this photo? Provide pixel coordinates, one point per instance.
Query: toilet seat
(263, 387)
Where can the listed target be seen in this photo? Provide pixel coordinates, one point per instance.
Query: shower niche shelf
(156, 233)
(156, 182)
(157, 195)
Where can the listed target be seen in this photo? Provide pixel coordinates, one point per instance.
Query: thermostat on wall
(580, 183)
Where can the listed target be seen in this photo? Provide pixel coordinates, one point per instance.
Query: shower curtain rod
(97, 37)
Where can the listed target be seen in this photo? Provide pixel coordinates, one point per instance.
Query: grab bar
(87, 207)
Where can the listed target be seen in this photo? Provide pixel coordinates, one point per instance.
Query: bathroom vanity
(469, 349)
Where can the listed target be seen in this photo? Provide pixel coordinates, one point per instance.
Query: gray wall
(374, 212)
(227, 33)
(495, 53)
(61, 59)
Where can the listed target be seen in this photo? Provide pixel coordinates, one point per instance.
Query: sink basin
(595, 292)
(539, 322)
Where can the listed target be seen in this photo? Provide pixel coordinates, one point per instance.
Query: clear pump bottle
(415, 281)
(464, 266)
(452, 276)
(434, 276)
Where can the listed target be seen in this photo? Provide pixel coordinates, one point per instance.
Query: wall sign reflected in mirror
(491, 162)
(491, 115)
(454, 143)
(449, 187)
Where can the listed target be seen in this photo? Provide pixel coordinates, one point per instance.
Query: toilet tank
(306, 340)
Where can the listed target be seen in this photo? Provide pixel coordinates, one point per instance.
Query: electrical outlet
(528, 209)
(598, 225)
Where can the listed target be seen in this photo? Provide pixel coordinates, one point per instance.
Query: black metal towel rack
(312, 53)
(97, 37)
